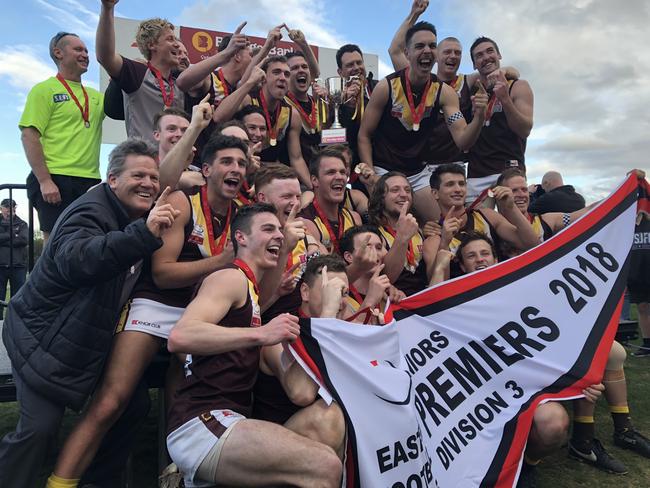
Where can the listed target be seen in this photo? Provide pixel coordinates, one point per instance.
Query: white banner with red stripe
(444, 395)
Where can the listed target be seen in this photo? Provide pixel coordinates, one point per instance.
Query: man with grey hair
(556, 196)
(61, 131)
(59, 327)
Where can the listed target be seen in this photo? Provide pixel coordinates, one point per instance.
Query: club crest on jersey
(197, 236)
(256, 319)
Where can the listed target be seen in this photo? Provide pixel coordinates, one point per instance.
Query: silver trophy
(336, 134)
(335, 86)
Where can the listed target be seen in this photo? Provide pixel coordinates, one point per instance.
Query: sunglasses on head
(59, 36)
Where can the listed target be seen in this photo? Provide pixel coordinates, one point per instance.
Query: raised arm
(511, 224)
(166, 271)
(464, 134)
(295, 152)
(407, 227)
(201, 71)
(441, 265)
(179, 158)
(240, 97)
(517, 102)
(293, 231)
(398, 44)
(86, 252)
(272, 38)
(510, 72)
(298, 38)
(105, 40)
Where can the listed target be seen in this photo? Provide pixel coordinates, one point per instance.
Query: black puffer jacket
(20, 240)
(560, 199)
(59, 327)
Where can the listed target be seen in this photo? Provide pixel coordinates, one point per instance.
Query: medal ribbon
(455, 83)
(324, 108)
(215, 249)
(361, 105)
(416, 113)
(273, 131)
(334, 239)
(490, 107)
(410, 254)
(355, 294)
(248, 272)
(244, 193)
(482, 196)
(310, 119)
(365, 310)
(84, 110)
(168, 99)
(224, 83)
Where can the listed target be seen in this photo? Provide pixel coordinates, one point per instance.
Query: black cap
(7, 203)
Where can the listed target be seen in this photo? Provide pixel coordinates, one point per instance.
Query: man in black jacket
(13, 250)
(59, 327)
(557, 197)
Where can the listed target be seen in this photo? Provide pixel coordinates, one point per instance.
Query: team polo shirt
(70, 148)
(143, 98)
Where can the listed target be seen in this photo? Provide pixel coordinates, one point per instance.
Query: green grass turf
(556, 471)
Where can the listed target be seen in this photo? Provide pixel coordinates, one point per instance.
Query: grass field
(557, 471)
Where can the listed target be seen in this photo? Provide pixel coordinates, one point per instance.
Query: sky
(587, 62)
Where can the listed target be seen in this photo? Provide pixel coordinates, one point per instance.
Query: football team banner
(444, 394)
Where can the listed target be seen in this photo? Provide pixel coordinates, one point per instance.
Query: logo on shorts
(60, 97)
(142, 323)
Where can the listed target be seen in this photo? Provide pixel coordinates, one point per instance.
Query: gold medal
(273, 142)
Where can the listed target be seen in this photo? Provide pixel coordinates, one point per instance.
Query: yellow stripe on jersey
(326, 240)
(458, 84)
(538, 227)
(400, 105)
(200, 228)
(480, 225)
(256, 318)
(417, 242)
(347, 201)
(281, 125)
(320, 116)
(299, 255)
(352, 303)
(124, 314)
(219, 88)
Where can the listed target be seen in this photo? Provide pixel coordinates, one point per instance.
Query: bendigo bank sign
(202, 43)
